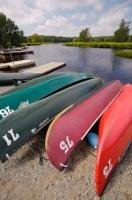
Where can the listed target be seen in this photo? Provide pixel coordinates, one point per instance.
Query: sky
(67, 17)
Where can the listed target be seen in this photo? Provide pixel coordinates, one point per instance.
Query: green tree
(130, 38)
(84, 35)
(122, 33)
(2, 29)
(35, 38)
(10, 34)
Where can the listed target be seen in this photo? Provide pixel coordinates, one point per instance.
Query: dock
(46, 68)
(16, 52)
(16, 64)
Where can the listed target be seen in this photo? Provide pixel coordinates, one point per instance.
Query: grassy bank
(124, 54)
(34, 44)
(113, 45)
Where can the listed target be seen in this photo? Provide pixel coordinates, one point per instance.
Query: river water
(97, 61)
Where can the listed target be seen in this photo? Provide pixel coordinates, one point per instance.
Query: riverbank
(124, 54)
(35, 44)
(113, 45)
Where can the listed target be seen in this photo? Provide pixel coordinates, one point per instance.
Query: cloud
(65, 4)
(21, 13)
(98, 6)
(109, 21)
(65, 17)
(79, 16)
(58, 25)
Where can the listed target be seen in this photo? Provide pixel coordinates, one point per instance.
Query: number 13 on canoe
(106, 105)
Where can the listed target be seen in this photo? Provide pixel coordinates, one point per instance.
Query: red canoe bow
(115, 135)
(72, 125)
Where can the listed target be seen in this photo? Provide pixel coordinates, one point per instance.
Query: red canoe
(72, 125)
(115, 135)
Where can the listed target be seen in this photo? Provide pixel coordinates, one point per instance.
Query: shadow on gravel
(34, 148)
(82, 152)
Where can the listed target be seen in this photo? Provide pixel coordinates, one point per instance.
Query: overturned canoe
(115, 135)
(15, 77)
(37, 89)
(20, 77)
(33, 82)
(72, 125)
(21, 125)
(29, 84)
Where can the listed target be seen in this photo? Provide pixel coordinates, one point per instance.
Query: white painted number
(6, 111)
(13, 136)
(66, 145)
(23, 104)
(107, 168)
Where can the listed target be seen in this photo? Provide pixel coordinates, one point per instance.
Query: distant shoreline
(124, 53)
(112, 45)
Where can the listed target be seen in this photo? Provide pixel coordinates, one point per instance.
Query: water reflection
(100, 62)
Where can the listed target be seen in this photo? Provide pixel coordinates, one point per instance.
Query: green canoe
(21, 125)
(37, 89)
(33, 82)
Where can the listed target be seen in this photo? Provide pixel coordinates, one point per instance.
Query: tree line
(39, 39)
(120, 35)
(11, 35)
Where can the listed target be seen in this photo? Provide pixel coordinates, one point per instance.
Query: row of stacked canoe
(72, 103)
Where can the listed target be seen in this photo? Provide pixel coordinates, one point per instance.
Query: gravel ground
(24, 177)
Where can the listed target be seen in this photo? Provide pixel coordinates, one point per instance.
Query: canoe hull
(115, 135)
(26, 75)
(36, 90)
(72, 125)
(15, 78)
(20, 126)
(31, 83)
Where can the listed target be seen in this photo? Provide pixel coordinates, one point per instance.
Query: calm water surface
(99, 62)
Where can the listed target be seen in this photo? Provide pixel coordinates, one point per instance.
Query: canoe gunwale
(68, 109)
(118, 145)
(64, 164)
(24, 120)
(100, 115)
(44, 88)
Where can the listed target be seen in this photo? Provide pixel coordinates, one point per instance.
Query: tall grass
(113, 45)
(125, 54)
